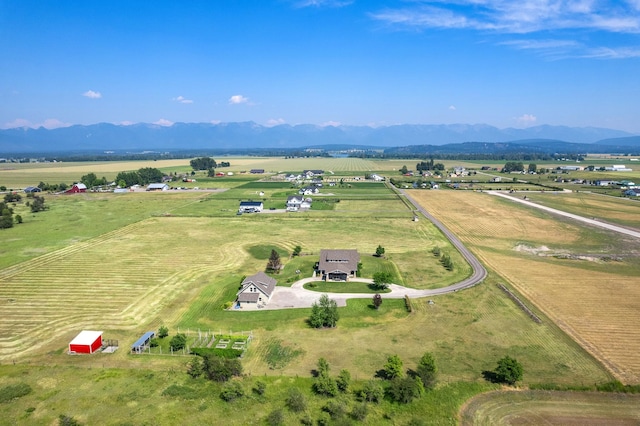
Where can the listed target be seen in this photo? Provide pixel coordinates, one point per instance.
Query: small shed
(87, 342)
(140, 345)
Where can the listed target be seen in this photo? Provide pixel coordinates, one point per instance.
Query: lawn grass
(343, 287)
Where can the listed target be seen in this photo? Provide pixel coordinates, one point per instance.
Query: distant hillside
(249, 135)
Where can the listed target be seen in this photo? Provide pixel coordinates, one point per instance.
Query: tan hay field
(622, 211)
(596, 303)
(552, 408)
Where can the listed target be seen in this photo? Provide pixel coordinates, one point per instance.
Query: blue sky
(500, 62)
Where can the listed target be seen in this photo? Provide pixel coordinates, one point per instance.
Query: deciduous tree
(427, 370)
(381, 280)
(509, 370)
(393, 367)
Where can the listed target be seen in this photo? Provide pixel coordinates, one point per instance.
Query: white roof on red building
(86, 337)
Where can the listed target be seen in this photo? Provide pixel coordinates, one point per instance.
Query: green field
(127, 263)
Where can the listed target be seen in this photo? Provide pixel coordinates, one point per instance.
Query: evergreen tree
(274, 264)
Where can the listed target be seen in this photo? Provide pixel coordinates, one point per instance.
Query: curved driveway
(297, 296)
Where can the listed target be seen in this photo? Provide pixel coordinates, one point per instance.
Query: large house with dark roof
(338, 265)
(256, 291)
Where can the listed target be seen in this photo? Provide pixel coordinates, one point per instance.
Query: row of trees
(207, 163)
(429, 165)
(143, 176)
(513, 166)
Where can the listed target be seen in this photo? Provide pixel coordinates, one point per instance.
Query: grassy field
(541, 407)
(129, 263)
(561, 266)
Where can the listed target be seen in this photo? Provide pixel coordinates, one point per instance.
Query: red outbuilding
(76, 188)
(87, 342)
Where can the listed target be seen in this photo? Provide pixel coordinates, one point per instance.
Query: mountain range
(238, 136)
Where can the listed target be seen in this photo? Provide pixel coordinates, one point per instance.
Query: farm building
(633, 192)
(338, 265)
(87, 342)
(312, 173)
(76, 188)
(256, 291)
(256, 171)
(250, 207)
(158, 187)
(32, 189)
(141, 344)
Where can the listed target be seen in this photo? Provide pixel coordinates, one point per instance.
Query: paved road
(593, 222)
(297, 296)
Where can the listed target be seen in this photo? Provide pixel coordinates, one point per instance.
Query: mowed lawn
(585, 279)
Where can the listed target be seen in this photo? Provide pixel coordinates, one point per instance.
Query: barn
(76, 188)
(87, 342)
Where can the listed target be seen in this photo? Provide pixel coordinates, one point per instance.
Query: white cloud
(331, 123)
(452, 107)
(238, 99)
(215, 121)
(275, 122)
(163, 122)
(525, 16)
(49, 123)
(526, 120)
(92, 95)
(613, 53)
(127, 123)
(18, 122)
(182, 100)
(54, 123)
(322, 3)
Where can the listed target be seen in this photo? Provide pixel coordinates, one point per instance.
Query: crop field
(583, 278)
(540, 407)
(621, 211)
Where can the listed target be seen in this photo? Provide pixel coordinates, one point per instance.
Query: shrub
(260, 388)
(7, 393)
(372, 391)
(276, 417)
(232, 391)
(296, 401)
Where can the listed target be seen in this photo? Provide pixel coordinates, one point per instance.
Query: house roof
(263, 282)
(339, 260)
(250, 203)
(86, 337)
(32, 189)
(80, 186)
(157, 186)
(294, 198)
